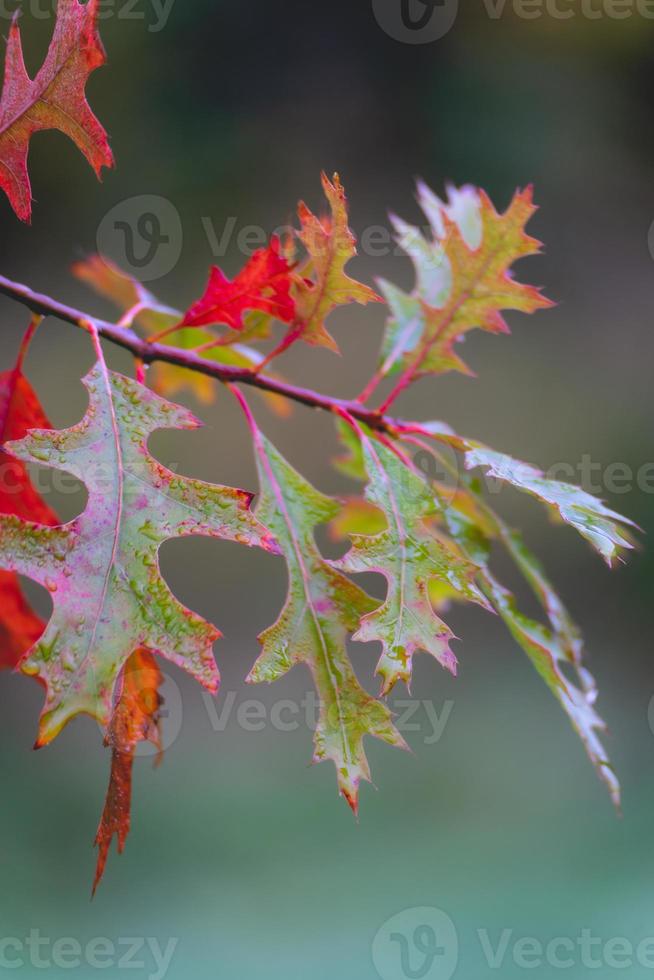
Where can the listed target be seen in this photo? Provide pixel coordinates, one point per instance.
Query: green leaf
(322, 607)
(102, 568)
(549, 657)
(552, 651)
(561, 645)
(350, 462)
(409, 554)
(564, 627)
(410, 317)
(595, 522)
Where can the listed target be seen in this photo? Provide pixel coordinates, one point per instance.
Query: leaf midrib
(307, 591)
(39, 95)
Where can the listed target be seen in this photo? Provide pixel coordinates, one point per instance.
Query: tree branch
(147, 353)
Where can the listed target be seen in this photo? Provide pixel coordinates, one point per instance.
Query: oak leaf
(321, 609)
(410, 554)
(20, 411)
(54, 99)
(596, 522)
(263, 284)
(135, 719)
(144, 312)
(102, 568)
(464, 280)
(555, 650)
(323, 284)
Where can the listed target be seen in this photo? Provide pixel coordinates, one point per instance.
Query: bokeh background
(239, 850)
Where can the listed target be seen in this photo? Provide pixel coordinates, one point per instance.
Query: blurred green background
(239, 850)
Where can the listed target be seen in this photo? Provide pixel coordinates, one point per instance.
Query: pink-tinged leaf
(55, 99)
(102, 568)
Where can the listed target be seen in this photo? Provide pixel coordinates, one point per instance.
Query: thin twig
(147, 353)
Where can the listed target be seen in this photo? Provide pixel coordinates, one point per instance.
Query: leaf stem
(26, 341)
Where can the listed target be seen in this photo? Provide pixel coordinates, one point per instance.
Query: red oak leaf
(20, 627)
(20, 411)
(135, 719)
(263, 284)
(55, 99)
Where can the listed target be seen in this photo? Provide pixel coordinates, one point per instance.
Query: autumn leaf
(264, 284)
(322, 284)
(588, 515)
(20, 627)
(135, 719)
(549, 658)
(409, 554)
(560, 646)
(102, 568)
(136, 303)
(434, 541)
(321, 609)
(602, 527)
(464, 281)
(20, 411)
(556, 651)
(55, 99)
(142, 310)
